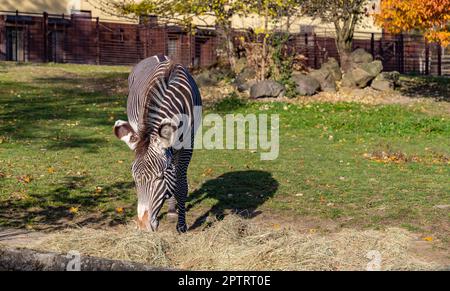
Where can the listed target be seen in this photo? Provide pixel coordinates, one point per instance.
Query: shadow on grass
(240, 192)
(48, 109)
(437, 88)
(52, 210)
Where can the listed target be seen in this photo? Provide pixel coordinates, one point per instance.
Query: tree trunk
(226, 33)
(344, 50)
(264, 46)
(344, 40)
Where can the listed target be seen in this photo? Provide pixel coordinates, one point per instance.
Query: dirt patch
(363, 96)
(236, 244)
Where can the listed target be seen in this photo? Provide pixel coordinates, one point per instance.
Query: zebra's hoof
(181, 228)
(172, 216)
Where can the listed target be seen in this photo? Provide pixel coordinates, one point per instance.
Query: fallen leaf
(428, 238)
(51, 170)
(25, 179)
(73, 210)
(98, 189)
(119, 210)
(207, 172)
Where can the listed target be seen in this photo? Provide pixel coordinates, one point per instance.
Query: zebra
(164, 110)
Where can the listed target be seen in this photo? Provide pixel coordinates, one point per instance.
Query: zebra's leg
(172, 212)
(183, 160)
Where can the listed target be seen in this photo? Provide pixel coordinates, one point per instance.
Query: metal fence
(80, 38)
(406, 53)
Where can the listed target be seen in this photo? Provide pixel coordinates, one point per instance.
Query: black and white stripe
(159, 93)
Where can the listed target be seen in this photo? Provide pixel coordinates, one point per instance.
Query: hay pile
(236, 244)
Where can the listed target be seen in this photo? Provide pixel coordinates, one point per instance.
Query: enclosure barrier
(80, 38)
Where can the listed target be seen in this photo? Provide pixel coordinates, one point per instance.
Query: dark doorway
(15, 44)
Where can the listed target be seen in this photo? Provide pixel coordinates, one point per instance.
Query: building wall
(253, 21)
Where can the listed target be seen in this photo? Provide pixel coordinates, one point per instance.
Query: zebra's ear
(166, 133)
(125, 132)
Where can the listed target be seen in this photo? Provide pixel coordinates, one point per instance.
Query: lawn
(352, 165)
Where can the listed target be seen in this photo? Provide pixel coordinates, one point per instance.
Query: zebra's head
(152, 170)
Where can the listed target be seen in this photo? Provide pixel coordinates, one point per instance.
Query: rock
(382, 85)
(393, 77)
(245, 86)
(245, 80)
(305, 84)
(206, 78)
(266, 88)
(21, 259)
(373, 68)
(241, 64)
(362, 74)
(442, 206)
(356, 78)
(383, 82)
(333, 67)
(360, 56)
(326, 80)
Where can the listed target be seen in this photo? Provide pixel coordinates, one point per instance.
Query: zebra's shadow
(239, 192)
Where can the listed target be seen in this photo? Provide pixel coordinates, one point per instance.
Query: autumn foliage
(429, 16)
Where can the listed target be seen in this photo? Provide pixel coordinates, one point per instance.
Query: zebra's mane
(155, 100)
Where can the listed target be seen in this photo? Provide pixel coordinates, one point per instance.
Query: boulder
(356, 78)
(360, 56)
(393, 76)
(266, 88)
(206, 78)
(245, 79)
(362, 74)
(305, 84)
(241, 64)
(385, 81)
(333, 67)
(382, 85)
(326, 79)
(373, 68)
(245, 85)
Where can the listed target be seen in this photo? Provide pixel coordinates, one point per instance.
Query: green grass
(57, 148)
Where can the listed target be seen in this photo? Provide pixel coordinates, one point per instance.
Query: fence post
(64, 39)
(45, 36)
(427, 57)
(315, 52)
(372, 45)
(97, 36)
(401, 49)
(439, 56)
(17, 35)
(306, 48)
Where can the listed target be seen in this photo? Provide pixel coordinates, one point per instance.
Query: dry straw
(236, 244)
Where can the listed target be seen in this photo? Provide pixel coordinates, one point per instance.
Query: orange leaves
(25, 179)
(98, 189)
(207, 172)
(51, 170)
(430, 16)
(428, 238)
(119, 210)
(73, 210)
